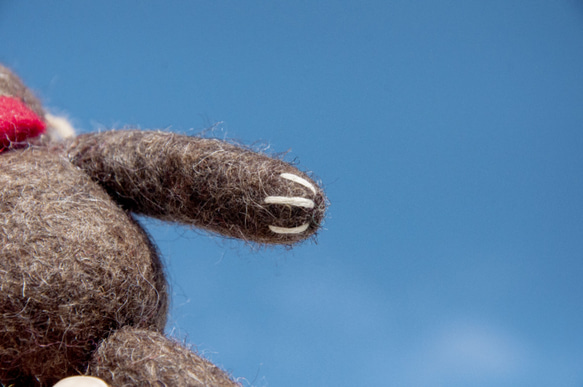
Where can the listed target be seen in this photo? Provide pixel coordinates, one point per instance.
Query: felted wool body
(82, 288)
(73, 267)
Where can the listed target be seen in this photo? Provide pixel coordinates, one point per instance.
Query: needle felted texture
(73, 267)
(21, 113)
(12, 86)
(82, 287)
(208, 183)
(161, 358)
(17, 122)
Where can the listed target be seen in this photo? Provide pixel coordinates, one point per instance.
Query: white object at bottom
(81, 381)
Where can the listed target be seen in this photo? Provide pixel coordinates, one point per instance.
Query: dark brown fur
(82, 289)
(159, 359)
(204, 182)
(73, 267)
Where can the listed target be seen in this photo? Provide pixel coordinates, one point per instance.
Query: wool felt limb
(159, 359)
(82, 287)
(208, 183)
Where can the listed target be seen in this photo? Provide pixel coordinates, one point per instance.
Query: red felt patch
(17, 122)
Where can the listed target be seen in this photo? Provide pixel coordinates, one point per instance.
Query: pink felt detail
(17, 122)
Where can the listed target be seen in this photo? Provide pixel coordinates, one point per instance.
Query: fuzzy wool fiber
(17, 122)
(82, 287)
(73, 268)
(159, 359)
(207, 183)
(12, 86)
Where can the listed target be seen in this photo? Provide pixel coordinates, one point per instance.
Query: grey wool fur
(82, 287)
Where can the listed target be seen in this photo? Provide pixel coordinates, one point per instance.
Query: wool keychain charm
(83, 290)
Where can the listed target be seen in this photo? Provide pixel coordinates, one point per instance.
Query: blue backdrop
(449, 138)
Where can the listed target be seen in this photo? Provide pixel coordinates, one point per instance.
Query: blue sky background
(449, 138)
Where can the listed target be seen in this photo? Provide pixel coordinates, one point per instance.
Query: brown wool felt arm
(139, 357)
(207, 183)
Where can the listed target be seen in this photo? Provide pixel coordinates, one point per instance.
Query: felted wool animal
(82, 288)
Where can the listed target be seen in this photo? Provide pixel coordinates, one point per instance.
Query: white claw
(291, 200)
(299, 180)
(289, 230)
